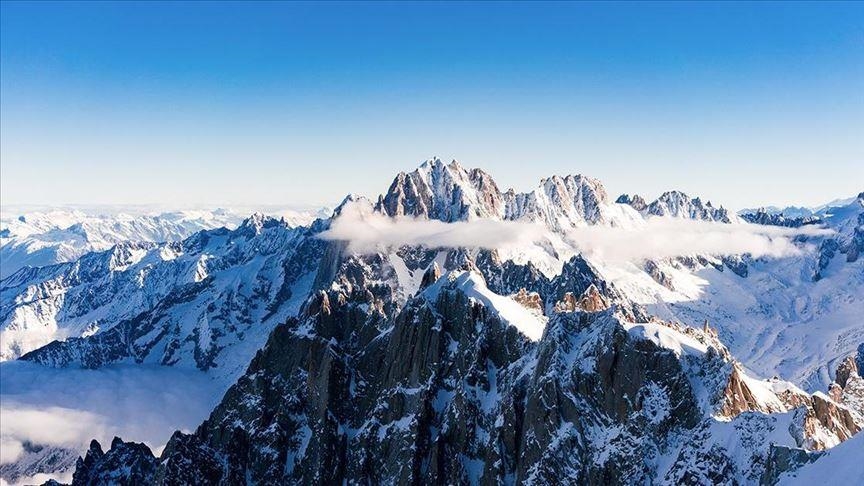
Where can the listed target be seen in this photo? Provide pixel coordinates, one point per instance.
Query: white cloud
(56, 426)
(666, 237)
(40, 478)
(367, 231)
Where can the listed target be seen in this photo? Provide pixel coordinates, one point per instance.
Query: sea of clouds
(366, 231)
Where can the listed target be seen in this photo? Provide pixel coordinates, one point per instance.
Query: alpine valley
(447, 332)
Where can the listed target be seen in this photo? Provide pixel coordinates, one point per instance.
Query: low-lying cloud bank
(666, 238)
(366, 231)
(67, 407)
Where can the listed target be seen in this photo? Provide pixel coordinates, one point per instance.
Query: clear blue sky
(223, 103)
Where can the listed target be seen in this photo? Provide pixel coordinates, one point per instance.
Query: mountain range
(566, 356)
(35, 237)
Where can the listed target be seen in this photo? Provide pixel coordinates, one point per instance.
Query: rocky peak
(451, 192)
(820, 420)
(679, 205)
(741, 395)
(635, 201)
(848, 388)
(356, 200)
(447, 192)
(825, 423)
(124, 463)
(846, 370)
(430, 276)
(256, 223)
(560, 202)
(530, 300)
(761, 216)
(592, 300)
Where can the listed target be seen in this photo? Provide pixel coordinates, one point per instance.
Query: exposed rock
(659, 276)
(590, 301)
(126, 463)
(821, 422)
(447, 192)
(531, 300)
(856, 246)
(827, 250)
(826, 423)
(847, 369)
(679, 205)
(848, 388)
(761, 216)
(430, 276)
(636, 201)
(738, 397)
(737, 263)
(373, 383)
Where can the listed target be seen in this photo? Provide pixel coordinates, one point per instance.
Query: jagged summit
(680, 205)
(636, 201)
(448, 192)
(451, 192)
(677, 204)
(353, 199)
(257, 222)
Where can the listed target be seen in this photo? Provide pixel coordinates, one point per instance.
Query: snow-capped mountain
(791, 211)
(676, 204)
(458, 364)
(161, 303)
(43, 237)
(450, 192)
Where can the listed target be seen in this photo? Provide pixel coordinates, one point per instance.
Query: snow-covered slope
(840, 465)
(530, 322)
(170, 302)
(794, 316)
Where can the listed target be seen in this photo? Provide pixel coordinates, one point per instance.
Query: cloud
(666, 237)
(367, 231)
(41, 478)
(55, 426)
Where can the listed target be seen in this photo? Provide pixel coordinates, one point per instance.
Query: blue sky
(282, 103)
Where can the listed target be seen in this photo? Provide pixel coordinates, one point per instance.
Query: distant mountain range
(38, 237)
